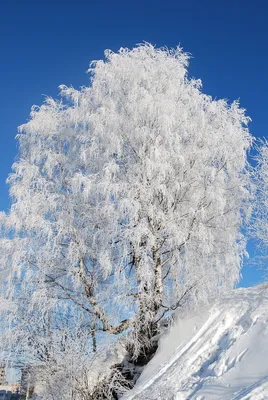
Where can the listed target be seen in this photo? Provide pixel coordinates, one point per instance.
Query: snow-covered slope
(220, 353)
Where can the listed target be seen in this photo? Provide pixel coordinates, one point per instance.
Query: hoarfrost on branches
(259, 227)
(128, 199)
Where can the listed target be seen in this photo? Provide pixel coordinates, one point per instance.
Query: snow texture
(220, 353)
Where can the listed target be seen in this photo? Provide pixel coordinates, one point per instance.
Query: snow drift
(219, 353)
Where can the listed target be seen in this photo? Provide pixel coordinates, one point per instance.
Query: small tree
(128, 198)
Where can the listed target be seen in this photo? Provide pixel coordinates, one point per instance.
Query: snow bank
(220, 353)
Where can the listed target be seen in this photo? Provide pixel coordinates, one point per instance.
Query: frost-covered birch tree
(127, 200)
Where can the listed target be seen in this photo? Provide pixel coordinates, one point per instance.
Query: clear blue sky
(46, 43)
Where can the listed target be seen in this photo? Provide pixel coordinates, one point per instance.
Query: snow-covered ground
(220, 353)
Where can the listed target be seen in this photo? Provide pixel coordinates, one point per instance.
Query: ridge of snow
(219, 353)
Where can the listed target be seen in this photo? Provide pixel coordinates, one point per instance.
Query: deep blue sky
(46, 43)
